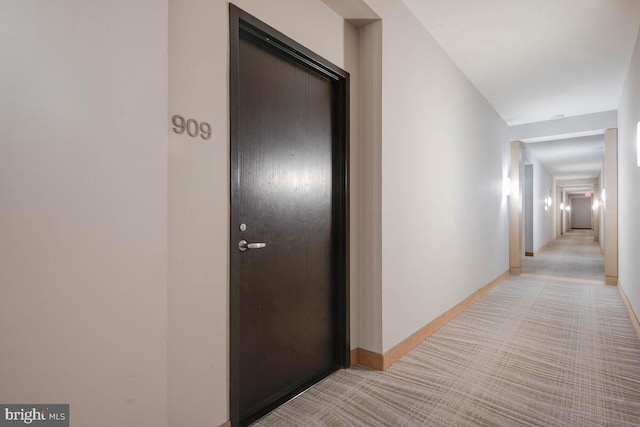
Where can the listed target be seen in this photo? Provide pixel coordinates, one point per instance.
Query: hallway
(117, 232)
(574, 256)
(551, 347)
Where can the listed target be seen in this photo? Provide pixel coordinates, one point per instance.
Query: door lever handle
(243, 245)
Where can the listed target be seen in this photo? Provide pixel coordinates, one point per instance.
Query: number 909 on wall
(192, 127)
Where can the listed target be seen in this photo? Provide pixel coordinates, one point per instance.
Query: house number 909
(191, 126)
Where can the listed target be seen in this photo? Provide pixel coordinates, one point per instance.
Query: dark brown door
(286, 226)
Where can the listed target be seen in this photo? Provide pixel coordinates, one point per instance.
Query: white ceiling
(534, 59)
(573, 158)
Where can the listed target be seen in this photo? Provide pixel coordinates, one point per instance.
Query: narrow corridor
(551, 347)
(574, 256)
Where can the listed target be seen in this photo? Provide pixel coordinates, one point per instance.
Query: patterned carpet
(575, 256)
(531, 352)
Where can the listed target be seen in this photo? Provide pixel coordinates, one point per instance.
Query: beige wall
(434, 128)
(117, 234)
(199, 183)
(83, 172)
(439, 136)
(516, 207)
(611, 229)
(369, 264)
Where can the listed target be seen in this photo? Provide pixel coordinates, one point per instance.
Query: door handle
(243, 245)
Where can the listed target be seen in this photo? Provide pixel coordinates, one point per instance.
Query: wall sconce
(547, 202)
(603, 196)
(561, 206)
(506, 186)
(595, 205)
(567, 208)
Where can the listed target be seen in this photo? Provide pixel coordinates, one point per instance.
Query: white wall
(543, 186)
(601, 209)
(575, 126)
(565, 215)
(439, 135)
(629, 185)
(83, 242)
(527, 211)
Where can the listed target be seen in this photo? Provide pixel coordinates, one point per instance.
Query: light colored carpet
(531, 352)
(575, 256)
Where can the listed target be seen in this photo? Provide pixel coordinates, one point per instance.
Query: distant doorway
(581, 215)
(528, 210)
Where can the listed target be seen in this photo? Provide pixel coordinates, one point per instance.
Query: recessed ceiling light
(557, 117)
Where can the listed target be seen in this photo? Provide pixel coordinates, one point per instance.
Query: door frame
(241, 22)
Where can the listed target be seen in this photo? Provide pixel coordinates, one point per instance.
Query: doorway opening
(289, 290)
